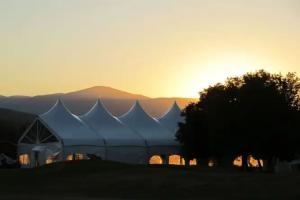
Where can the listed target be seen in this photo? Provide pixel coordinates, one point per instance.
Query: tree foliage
(255, 114)
(12, 126)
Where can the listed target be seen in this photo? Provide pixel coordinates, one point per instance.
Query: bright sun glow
(163, 49)
(214, 71)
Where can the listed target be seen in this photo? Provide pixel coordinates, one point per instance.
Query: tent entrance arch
(156, 160)
(81, 156)
(38, 133)
(176, 160)
(38, 146)
(24, 159)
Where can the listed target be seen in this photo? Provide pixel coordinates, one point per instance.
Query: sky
(158, 48)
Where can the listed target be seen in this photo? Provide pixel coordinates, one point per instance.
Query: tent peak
(136, 110)
(138, 107)
(58, 101)
(98, 109)
(99, 102)
(58, 107)
(174, 110)
(137, 103)
(171, 118)
(175, 105)
(99, 99)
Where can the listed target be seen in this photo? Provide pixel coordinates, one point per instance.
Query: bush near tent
(12, 126)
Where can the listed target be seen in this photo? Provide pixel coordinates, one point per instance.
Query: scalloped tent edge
(98, 133)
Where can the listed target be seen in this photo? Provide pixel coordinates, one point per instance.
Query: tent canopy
(70, 128)
(149, 128)
(114, 132)
(172, 117)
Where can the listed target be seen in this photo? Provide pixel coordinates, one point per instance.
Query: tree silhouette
(255, 114)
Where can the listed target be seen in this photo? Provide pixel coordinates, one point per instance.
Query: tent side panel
(127, 154)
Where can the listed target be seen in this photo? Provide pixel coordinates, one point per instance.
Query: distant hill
(15, 114)
(118, 102)
(12, 126)
(103, 92)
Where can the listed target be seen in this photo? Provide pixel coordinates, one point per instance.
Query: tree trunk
(259, 165)
(200, 162)
(270, 165)
(225, 162)
(245, 162)
(187, 161)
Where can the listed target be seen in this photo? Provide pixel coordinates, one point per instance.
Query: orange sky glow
(155, 48)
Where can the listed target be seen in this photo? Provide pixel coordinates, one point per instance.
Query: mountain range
(117, 102)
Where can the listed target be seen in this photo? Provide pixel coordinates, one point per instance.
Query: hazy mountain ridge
(103, 92)
(117, 101)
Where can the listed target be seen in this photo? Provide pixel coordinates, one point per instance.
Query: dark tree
(195, 144)
(255, 114)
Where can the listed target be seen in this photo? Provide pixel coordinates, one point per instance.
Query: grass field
(106, 180)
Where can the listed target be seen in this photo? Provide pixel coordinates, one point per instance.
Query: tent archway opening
(156, 160)
(251, 161)
(176, 160)
(38, 134)
(24, 159)
(77, 156)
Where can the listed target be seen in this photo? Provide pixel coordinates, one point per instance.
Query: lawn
(107, 180)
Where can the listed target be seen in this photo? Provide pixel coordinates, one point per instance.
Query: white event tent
(134, 137)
